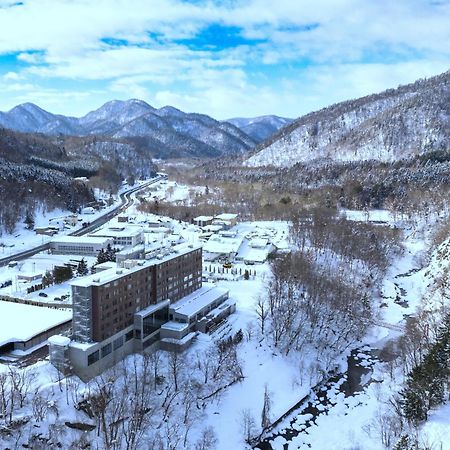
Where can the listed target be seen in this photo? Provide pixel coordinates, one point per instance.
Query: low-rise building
(227, 220)
(126, 235)
(219, 246)
(79, 245)
(47, 231)
(25, 327)
(203, 221)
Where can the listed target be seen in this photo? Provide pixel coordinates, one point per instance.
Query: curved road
(126, 201)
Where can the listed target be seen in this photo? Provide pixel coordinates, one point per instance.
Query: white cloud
(11, 76)
(346, 48)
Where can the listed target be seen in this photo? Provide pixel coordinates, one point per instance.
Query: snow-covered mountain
(260, 128)
(389, 126)
(166, 131)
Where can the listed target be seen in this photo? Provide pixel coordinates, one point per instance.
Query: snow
(437, 428)
(175, 326)
(199, 299)
(351, 421)
(223, 245)
(81, 239)
(57, 339)
(20, 322)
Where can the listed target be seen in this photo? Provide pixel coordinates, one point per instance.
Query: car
(227, 265)
(42, 294)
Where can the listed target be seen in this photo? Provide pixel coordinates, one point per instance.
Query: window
(129, 336)
(93, 357)
(118, 343)
(106, 350)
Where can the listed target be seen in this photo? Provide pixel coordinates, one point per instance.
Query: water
(317, 403)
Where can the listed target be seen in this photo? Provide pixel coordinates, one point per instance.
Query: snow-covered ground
(354, 421)
(358, 422)
(23, 239)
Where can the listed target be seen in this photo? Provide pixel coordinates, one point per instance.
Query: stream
(304, 414)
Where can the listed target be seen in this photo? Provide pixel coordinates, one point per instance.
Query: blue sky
(231, 58)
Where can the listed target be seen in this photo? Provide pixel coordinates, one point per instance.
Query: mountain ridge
(167, 130)
(391, 125)
(261, 127)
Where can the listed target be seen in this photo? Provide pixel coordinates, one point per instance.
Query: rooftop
(20, 322)
(217, 244)
(226, 216)
(109, 275)
(80, 240)
(203, 218)
(195, 302)
(174, 326)
(119, 231)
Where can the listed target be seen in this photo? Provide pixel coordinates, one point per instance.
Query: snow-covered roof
(203, 218)
(212, 228)
(106, 265)
(109, 275)
(226, 216)
(224, 245)
(152, 308)
(80, 240)
(119, 231)
(57, 339)
(254, 254)
(199, 299)
(19, 322)
(174, 326)
(259, 242)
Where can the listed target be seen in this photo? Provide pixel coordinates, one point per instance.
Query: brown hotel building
(120, 310)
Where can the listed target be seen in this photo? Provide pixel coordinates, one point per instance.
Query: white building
(125, 235)
(79, 245)
(203, 221)
(222, 246)
(227, 220)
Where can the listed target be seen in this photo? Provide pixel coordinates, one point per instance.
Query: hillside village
(142, 282)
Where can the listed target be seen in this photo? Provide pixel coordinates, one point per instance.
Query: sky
(229, 58)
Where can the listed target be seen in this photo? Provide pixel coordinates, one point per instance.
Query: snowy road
(126, 201)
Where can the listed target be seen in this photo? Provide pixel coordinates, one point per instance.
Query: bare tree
(267, 404)
(262, 312)
(248, 425)
(208, 439)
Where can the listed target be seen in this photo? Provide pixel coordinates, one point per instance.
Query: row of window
(108, 348)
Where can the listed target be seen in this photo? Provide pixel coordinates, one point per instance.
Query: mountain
(260, 128)
(166, 132)
(390, 126)
(45, 171)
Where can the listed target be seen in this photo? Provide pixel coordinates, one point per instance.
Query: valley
(258, 283)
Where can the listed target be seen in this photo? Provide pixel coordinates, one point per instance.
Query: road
(126, 201)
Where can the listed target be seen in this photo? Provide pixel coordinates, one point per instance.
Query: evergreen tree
(404, 443)
(82, 268)
(29, 220)
(62, 273)
(414, 397)
(110, 253)
(101, 257)
(47, 279)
